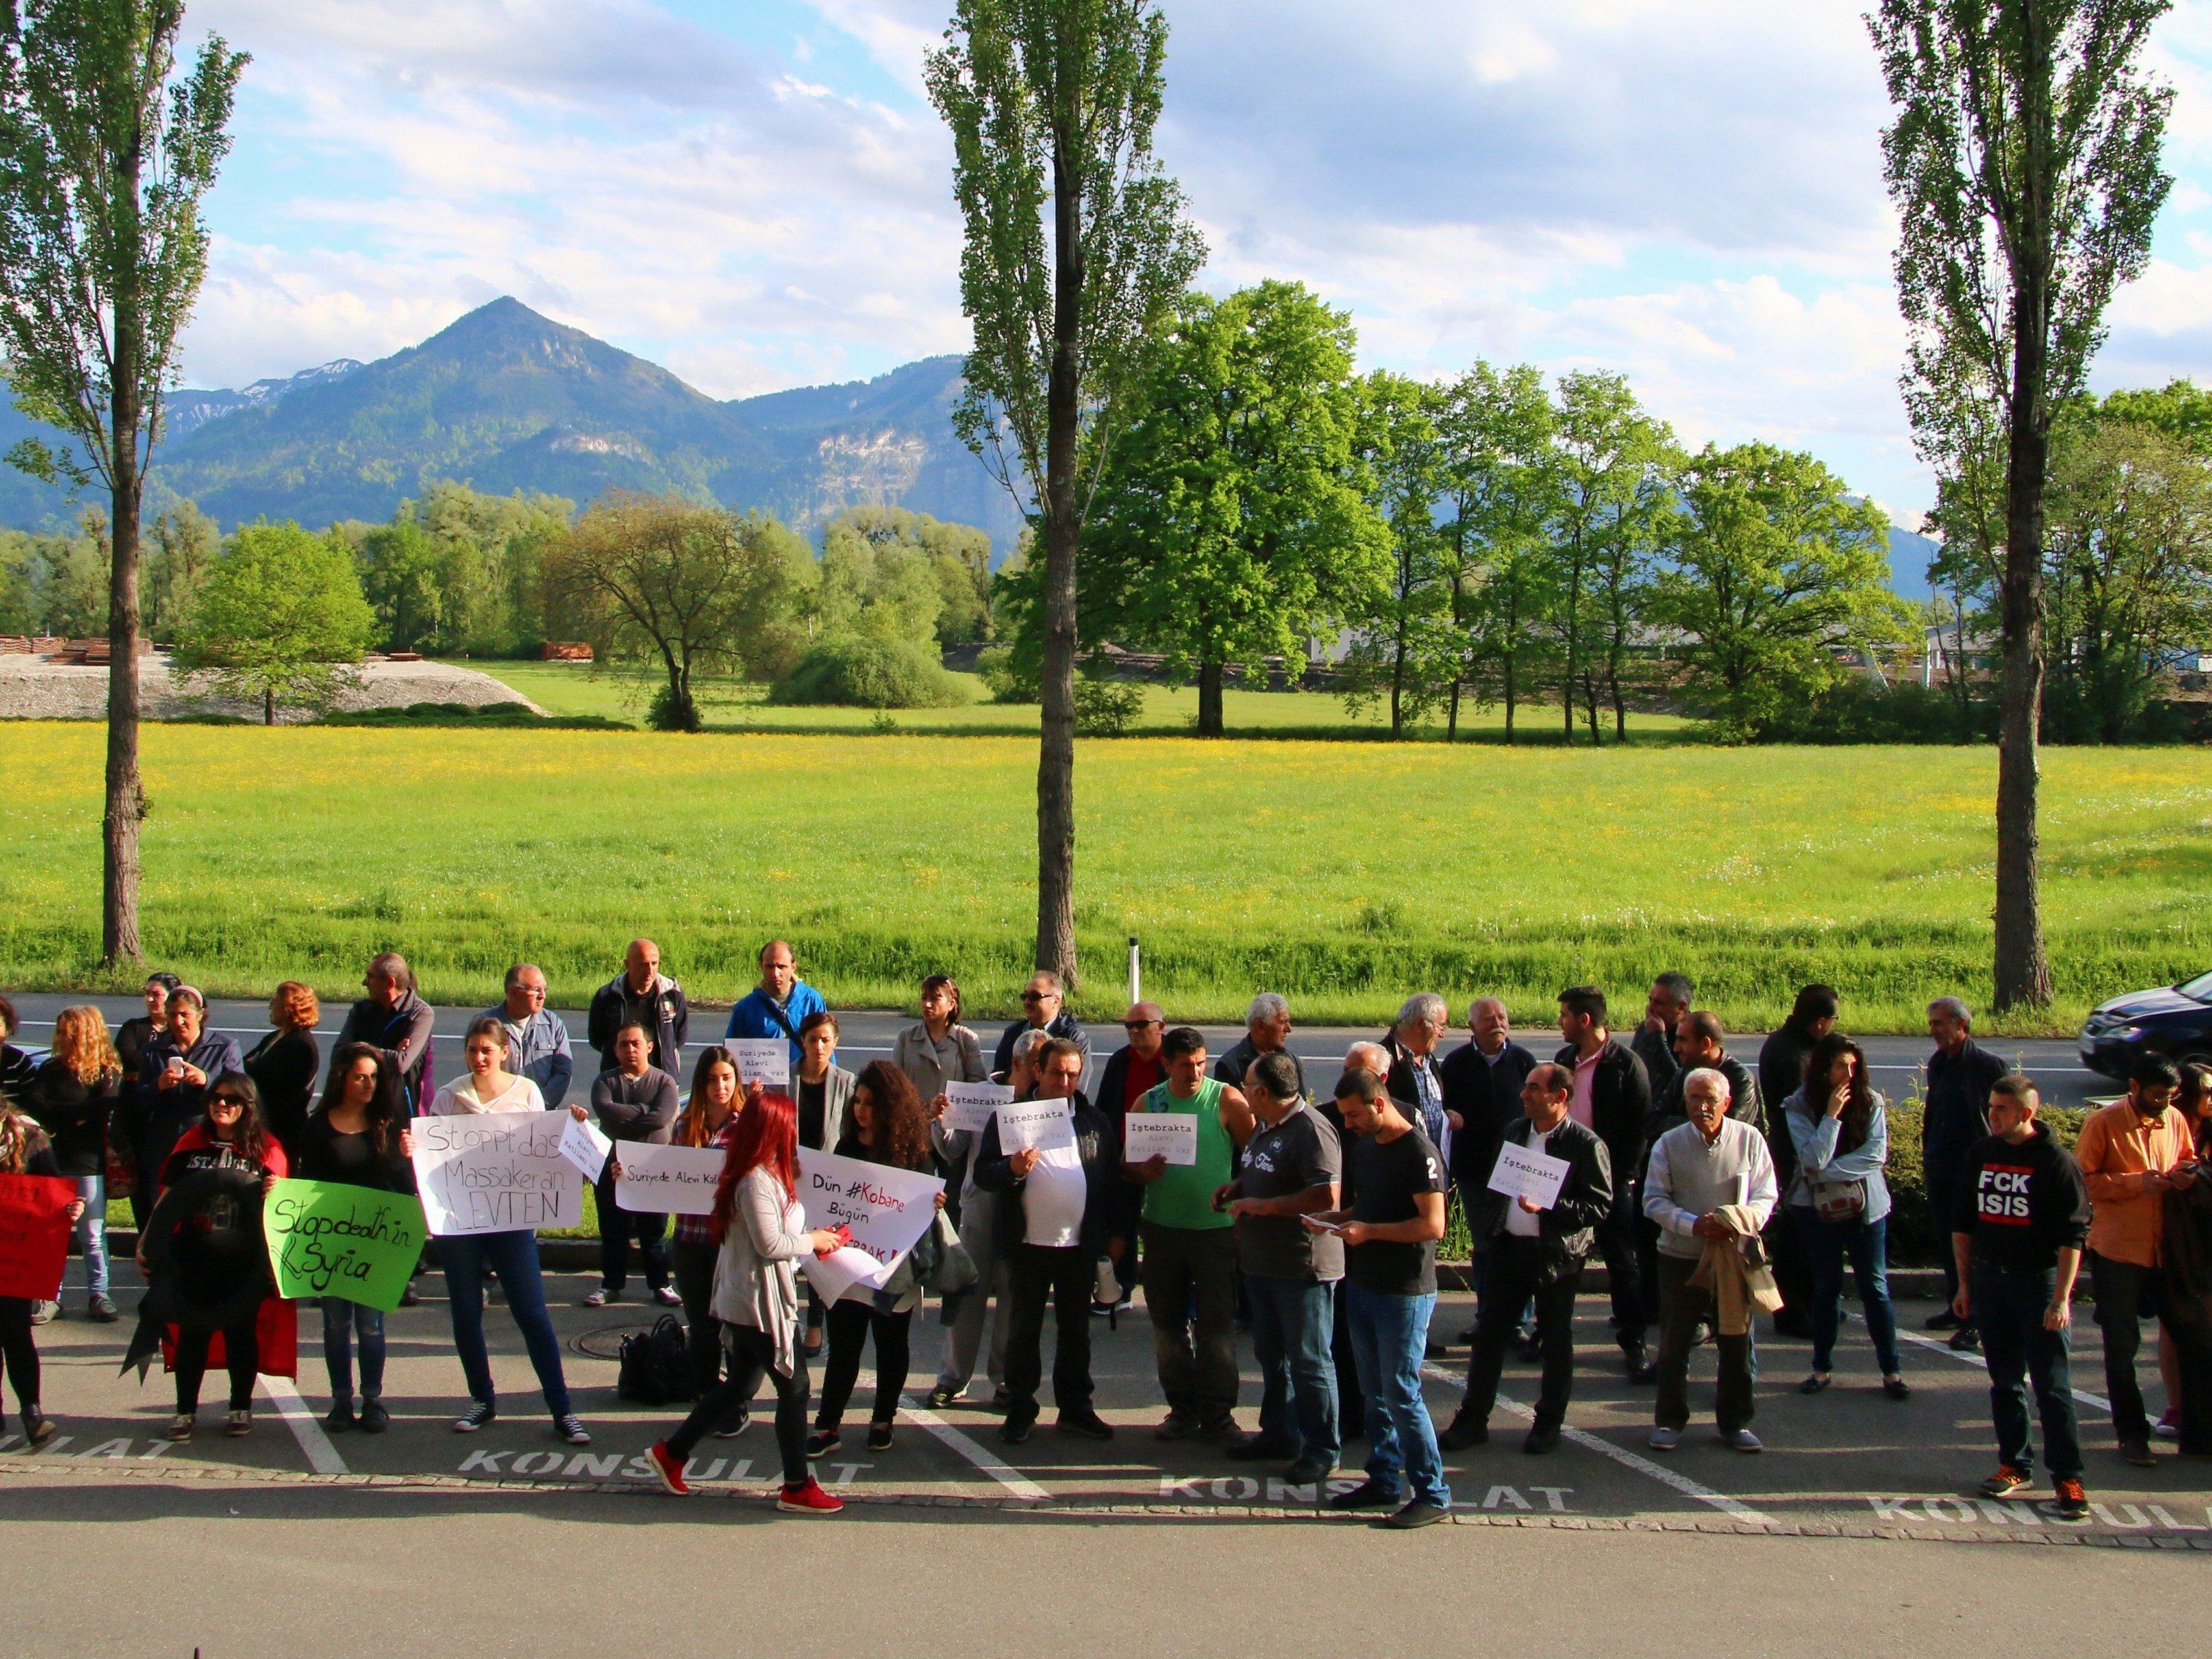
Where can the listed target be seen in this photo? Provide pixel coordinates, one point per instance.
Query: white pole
(1136, 982)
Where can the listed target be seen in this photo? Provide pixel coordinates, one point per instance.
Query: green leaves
(278, 616)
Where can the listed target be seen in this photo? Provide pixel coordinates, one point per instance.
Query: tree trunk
(1398, 677)
(1509, 696)
(1055, 809)
(1451, 720)
(1209, 700)
(268, 705)
(125, 804)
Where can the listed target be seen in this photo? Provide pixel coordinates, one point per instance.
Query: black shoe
(1015, 1429)
(1465, 1338)
(1646, 1374)
(340, 1418)
(1222, 1431)
(1542, 1438)
(939, 1398)
(1418, 1513)
(1088, 1425)
(1703, 1336)
(1308, 1471)
(734, 1424)
(374, 1419)
(1635, 1356)
(100, 1311)
(1175, 1426)
(879, 1437)
(1965, 1340)
(480, 1414)
(2139, 1454)
(822, 1442)
(1464, 1432)
(1256, 1449)
(1944, 1320)
(1366, 1496)
(1527, 1350)
(1002, 1399)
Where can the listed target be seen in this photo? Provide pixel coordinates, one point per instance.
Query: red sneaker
(808, 1498)
(669, 1467)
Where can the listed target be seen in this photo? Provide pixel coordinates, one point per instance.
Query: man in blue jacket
(780, 1004)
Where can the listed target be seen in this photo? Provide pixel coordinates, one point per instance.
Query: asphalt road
(1895, 1061)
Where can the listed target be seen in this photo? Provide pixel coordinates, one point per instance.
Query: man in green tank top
(1189, 1245)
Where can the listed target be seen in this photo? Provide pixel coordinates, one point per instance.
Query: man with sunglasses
(1132, 1070)
(1043, 1009)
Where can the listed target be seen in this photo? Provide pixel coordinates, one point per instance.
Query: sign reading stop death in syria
(496, 1172)
(329, 1239)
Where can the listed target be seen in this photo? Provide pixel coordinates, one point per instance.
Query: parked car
(2175, 1021)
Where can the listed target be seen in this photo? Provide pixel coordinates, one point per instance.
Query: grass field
(1345, 875)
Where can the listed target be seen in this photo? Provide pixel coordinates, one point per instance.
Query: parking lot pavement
(1848, 1462)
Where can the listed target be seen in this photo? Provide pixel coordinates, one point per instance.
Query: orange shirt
(2118, 1143)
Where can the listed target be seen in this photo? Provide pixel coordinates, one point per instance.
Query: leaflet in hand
(1521, 1173)
(584, 1146)
(1172, 1134)
(1047, 1125)
(969, 1106)
(764, 1060)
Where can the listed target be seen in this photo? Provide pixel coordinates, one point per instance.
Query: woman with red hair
(283, 1064)
(762, 1230)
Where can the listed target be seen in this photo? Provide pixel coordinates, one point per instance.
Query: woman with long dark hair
(760, 1229)
(886, 1124)
(706, 1121)
(354, 1140)
(1839, 1128)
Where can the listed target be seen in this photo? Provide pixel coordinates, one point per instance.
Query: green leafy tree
(1776, 573)
(185, 544)
(1495, 434)
(1231, 525)
(103, 160)
(402, 574)
(1404, 644)
(2024, 165)
(1076, 245)
(280, 618)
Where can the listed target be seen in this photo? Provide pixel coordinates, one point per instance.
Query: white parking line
(1973, 1357)
(988, 1461)
(322, 1456)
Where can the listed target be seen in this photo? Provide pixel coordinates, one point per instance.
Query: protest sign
(329, 1239)
(886, 1209)
(34, 1230)
(1521, 1173)
(1047, 1125)
(667, 1180)
(496, 1172)
(583, 1145)
(1173, 1133)
(969, 1106)
(765, 1060)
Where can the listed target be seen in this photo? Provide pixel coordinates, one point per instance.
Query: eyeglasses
(1034, 996)
(1139, 1024)
(229, 1100)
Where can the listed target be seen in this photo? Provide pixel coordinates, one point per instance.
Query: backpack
(656, 1364)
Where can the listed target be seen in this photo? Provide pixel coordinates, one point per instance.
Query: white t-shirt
(460, 1099)
(1518, 1221)
(1052, 1198)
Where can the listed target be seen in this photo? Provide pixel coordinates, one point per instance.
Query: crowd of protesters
(1712, 1189)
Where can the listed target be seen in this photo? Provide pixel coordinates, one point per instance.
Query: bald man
(640, 995)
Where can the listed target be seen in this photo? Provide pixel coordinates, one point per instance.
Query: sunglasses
(1036, 996)
(230, 1100)
(1139, 1024)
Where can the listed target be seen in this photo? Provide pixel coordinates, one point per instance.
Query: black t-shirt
(1382, 1178)
(813, 1112)
(329, 1154)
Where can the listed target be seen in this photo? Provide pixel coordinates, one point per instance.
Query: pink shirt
(1579, 1101)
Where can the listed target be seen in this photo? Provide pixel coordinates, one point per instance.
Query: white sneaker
(1666, 1439)
(667, 1297)
(1742, 1439)
(598, 1299)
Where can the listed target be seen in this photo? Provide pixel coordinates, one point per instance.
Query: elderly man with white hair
(1961, 1075)
(1710, 1186)
(1414, 1079)
(1267, 1031)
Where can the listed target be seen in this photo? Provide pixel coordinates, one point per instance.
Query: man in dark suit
(1482, 1084)
(1538, 1251)
(1612, 1095)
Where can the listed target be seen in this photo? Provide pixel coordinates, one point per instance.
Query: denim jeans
(1390, 1337)
(1293, 1322)
(513, 1257)
(1867, 1244)
(342, 1322)
(92, 1231)
(2008, 1307)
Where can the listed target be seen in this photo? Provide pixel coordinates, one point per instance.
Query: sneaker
(100, 1311)
(408, 1298)
(38, 1427)
(1635, 1356)
(1100, 1310)
(807, 1499)
(1016, 1430)
(1366, 1496)
(1310, 1470)
(240, 1423)
(1418, 1513)
(1965, 1339)
(879, 1437)
(669, 1467)
(181, 1426)
(1002, 1398)
(1464, 1432)
(822, 1442)
(340, 1418)
(480, 1413)
(1942, 1319)
(735, 1425)
(570, 1427)
(1542, 1439)
(1665, 1439)
(2008, 1479)
(1175, 1426)
(2168, 1427)
(1085, 1424)
(374, 1419)
(43, 1311)
(2072, 1503)
(1742, 1440)
(600, 1298)
(666, 1296)
(2139, 1454)
(941, 1397)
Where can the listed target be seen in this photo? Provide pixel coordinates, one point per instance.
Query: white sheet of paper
(765, 1060)
(1521, 1173)
(1174, 1133)
(969, 1106)
(886, 1209)
(496, 1172)
(1047, 1125)
(667, 1180)
(834, 1274)
(584, 1146)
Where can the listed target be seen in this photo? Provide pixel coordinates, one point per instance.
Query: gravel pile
(32, 688)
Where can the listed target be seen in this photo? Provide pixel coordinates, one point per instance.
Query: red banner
(276, 1324)
(34, 1232)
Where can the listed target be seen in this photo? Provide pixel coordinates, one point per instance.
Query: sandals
(1814, 1383)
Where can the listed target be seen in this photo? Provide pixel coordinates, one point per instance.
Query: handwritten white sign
(1047, 1125)
(583, 1145)
(1521, 1173)
(886, 1211)
(496, 1172)
(969, 1106)
(667, 1180)
(1173, 1135)
(765, 1060)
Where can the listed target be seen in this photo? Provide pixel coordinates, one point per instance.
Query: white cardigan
(755, 1280)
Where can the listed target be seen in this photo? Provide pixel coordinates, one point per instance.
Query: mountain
(189, 409)
(1909, 555)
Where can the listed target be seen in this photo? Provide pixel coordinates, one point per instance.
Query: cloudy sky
(754, 192)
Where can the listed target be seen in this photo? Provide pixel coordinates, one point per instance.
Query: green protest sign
(326, 1239)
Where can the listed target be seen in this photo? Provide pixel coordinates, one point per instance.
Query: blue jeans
(2008, 1307)
(513, 1257)
(1867, 1244)
(341, 1320)
(1389, 1337)
(1294, 1321)
(92, 1231)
